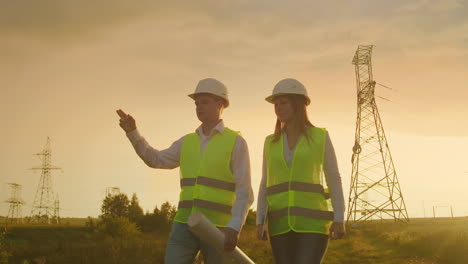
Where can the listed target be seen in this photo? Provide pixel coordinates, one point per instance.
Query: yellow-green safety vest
(296, 196)
(207, 183)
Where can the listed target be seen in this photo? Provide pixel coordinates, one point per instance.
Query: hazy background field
(422, 241)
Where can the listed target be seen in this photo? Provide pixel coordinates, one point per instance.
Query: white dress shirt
(332, 177)
(240, 166)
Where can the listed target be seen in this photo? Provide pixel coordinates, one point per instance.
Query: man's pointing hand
(127, 122)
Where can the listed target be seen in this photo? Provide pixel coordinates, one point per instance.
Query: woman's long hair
(301, 120)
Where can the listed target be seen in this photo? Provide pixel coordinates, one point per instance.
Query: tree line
(121, 215)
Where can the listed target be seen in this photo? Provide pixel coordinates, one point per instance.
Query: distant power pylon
(15, 201)
(375, 192)
(56, 217)
(112, 191)
(44, 205)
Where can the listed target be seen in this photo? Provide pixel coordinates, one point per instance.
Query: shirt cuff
(133, 135)
(338, 216)
(260, 218)
(235, 223)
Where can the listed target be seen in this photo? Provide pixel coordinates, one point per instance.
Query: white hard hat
(288, 86)
(211, 86)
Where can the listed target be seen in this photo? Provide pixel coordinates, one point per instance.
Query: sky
(66, 66)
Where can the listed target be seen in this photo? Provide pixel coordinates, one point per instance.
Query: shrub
(90, 224)
(4, 254)
(117, 227)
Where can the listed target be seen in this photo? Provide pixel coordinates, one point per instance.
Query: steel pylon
(44, 205)
(375, 192)
(14, 212)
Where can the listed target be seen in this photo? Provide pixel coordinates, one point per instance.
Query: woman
(300, 217)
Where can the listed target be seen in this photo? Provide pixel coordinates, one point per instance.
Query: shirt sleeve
(160, 159)
(240, 167)
(262, 205)
(333, 179)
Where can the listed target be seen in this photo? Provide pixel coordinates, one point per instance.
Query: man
(215, 174)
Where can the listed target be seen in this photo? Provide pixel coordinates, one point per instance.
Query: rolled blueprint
(209, 233)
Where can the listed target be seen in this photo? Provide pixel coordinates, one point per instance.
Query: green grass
(69, 244)
(422, 241)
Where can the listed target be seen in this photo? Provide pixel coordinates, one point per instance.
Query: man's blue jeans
(183, 246)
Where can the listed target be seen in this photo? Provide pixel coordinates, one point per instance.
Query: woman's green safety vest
(296, 196)
(207, 183)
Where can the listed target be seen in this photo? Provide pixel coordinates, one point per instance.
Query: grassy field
(422, 241)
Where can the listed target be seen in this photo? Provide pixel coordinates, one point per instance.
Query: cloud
(302, 25)
(236, 37)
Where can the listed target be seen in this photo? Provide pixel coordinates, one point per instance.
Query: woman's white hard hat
(288, 86)
(211, 86)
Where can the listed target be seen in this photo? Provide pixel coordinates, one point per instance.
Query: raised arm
(161, 159)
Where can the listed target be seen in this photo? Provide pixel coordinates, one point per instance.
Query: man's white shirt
(240, 166)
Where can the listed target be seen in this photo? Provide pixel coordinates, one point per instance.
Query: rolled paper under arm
(209, 233)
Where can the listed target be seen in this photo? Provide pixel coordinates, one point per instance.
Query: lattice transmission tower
(56, 217)
(375, 191)
(112, 191)
(44, 206)
(14, 212)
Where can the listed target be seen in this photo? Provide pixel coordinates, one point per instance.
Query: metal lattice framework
(56, 217)
(15, 201)
(375, 192)
(44, 206)
(111, 191)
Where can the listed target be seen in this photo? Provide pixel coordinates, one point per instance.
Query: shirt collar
(218, 128)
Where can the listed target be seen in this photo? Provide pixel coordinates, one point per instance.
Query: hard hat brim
(226, 102)
(271, 98)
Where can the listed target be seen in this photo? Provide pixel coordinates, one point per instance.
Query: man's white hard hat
(288, 86)
(211, 86)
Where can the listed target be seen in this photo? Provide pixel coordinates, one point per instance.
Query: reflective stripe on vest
(296, 196)
(299, 211)
(205, 204)
(296, 186)
(207, 183)
(230, 186)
